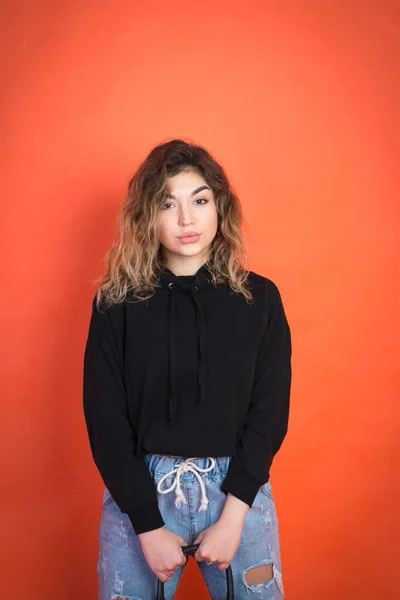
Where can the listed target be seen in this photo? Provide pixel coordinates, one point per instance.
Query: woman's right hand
(162, 550)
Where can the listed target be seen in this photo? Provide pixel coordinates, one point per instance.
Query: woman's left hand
(219, 543)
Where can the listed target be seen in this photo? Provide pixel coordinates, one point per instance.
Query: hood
(174, 285)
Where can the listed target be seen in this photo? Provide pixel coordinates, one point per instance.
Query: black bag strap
(191, 549)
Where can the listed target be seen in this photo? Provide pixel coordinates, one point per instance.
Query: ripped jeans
(123, 573)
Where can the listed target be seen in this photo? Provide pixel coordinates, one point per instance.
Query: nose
(184, 217)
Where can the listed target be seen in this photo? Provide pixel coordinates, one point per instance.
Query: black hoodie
(194, 371)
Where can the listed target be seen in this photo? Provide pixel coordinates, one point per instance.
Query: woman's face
(188, 209)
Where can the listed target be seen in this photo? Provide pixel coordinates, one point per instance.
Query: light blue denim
(123, 572)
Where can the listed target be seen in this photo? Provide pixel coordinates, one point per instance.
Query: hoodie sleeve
(111, 437)
(267, 417)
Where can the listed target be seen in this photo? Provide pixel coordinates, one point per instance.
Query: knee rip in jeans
(258, 576)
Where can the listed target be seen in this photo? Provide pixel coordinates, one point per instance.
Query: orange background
(299, 102)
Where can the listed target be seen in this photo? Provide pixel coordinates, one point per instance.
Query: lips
(189, 238)
(187, 235)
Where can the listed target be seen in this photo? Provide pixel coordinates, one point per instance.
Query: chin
(190, 251)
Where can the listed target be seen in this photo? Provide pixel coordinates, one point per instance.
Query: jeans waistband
(185, 469)
(164, 463)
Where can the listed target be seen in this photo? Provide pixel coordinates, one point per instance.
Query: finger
(197, 557)
(198, 539)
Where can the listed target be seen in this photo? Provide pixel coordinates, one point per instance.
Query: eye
(166, 204)
(164, 207)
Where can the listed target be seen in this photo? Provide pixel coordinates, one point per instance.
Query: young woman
(187, 376)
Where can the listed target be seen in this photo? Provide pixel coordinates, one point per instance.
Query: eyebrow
(196, 191)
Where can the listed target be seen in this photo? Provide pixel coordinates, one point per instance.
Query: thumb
(199, 538)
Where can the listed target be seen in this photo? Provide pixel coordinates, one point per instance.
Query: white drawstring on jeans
(186, 465)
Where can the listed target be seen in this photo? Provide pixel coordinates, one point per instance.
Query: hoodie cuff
(146, 518)
(241, 485)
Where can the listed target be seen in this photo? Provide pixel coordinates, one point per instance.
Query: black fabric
(195, 370)
(188, 284)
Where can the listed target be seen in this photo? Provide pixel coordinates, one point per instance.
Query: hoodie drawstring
(176, 286)
(173, 360)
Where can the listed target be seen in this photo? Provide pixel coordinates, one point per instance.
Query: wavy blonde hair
(135, 261)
